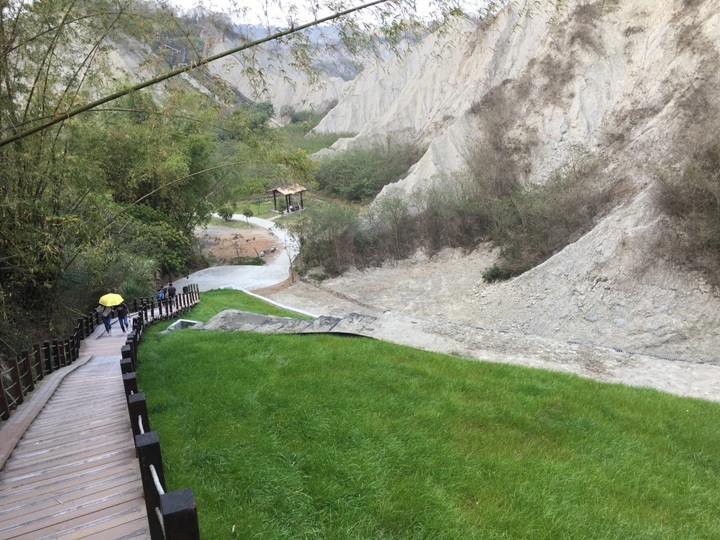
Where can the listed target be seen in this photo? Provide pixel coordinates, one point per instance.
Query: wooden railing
(24, 371)
(171, 516)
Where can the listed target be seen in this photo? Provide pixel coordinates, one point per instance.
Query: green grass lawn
(233, 223)
(262, 208)
(322, 436)
(213, 302)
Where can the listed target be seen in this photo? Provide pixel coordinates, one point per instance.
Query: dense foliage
(109, 200)
(692, 200)
(359, 175)
(527, 223)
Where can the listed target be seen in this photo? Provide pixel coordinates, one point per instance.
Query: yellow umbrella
(111, 299)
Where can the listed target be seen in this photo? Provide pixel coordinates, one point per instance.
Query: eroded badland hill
(632, 86)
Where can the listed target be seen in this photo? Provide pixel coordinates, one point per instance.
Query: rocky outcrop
(618, 79)
(631, 85)
(267, 73)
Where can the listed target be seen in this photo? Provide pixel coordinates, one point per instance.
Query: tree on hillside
(68, 179)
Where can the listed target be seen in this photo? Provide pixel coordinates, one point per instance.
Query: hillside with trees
(120, 132)
(108, 200)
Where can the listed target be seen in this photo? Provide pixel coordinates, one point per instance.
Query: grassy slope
(213, 302)
(330, 437)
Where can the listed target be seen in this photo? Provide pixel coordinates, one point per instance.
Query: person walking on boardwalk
(122, 314)
(105, 309)
(172, 291)
(106, 314)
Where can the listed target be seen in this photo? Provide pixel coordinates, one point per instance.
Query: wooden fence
(24, 371)
(170, 515)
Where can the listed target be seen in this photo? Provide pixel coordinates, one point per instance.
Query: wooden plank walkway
(73, 473)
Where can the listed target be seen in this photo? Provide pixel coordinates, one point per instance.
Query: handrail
(171, 516)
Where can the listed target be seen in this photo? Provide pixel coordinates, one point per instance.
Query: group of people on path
(167, 293)
(106, 312)
(122, 312)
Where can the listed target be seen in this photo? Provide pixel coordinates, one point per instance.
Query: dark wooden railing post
(69, 346)
(137, 407)
(17, 383)
(27, 368)
(130, 384)
(48, 357)
(180, 515)
(56, 353)
(126, 365)
(133, 338)
(77, 338)
(126, 354)
(38, 361)
(62, 358)
(148, 449)
(4, 405)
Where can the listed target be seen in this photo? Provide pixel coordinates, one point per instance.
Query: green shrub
(492, 274)
(226, 212)
(359, 175)
(327, 234)
(311, 118)
(535, 222)
(252, 261)
(692, 200)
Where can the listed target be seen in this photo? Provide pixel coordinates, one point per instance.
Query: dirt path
(226, 244)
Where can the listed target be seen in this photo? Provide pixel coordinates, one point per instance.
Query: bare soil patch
(226, 244)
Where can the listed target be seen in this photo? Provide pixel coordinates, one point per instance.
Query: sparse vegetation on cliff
(692, 199)
(359, 175)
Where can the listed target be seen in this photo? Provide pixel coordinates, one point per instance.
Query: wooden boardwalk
(73, 473)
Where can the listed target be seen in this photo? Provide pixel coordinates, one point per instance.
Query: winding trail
(248, 277)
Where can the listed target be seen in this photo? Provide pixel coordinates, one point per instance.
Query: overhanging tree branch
(61, 117)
